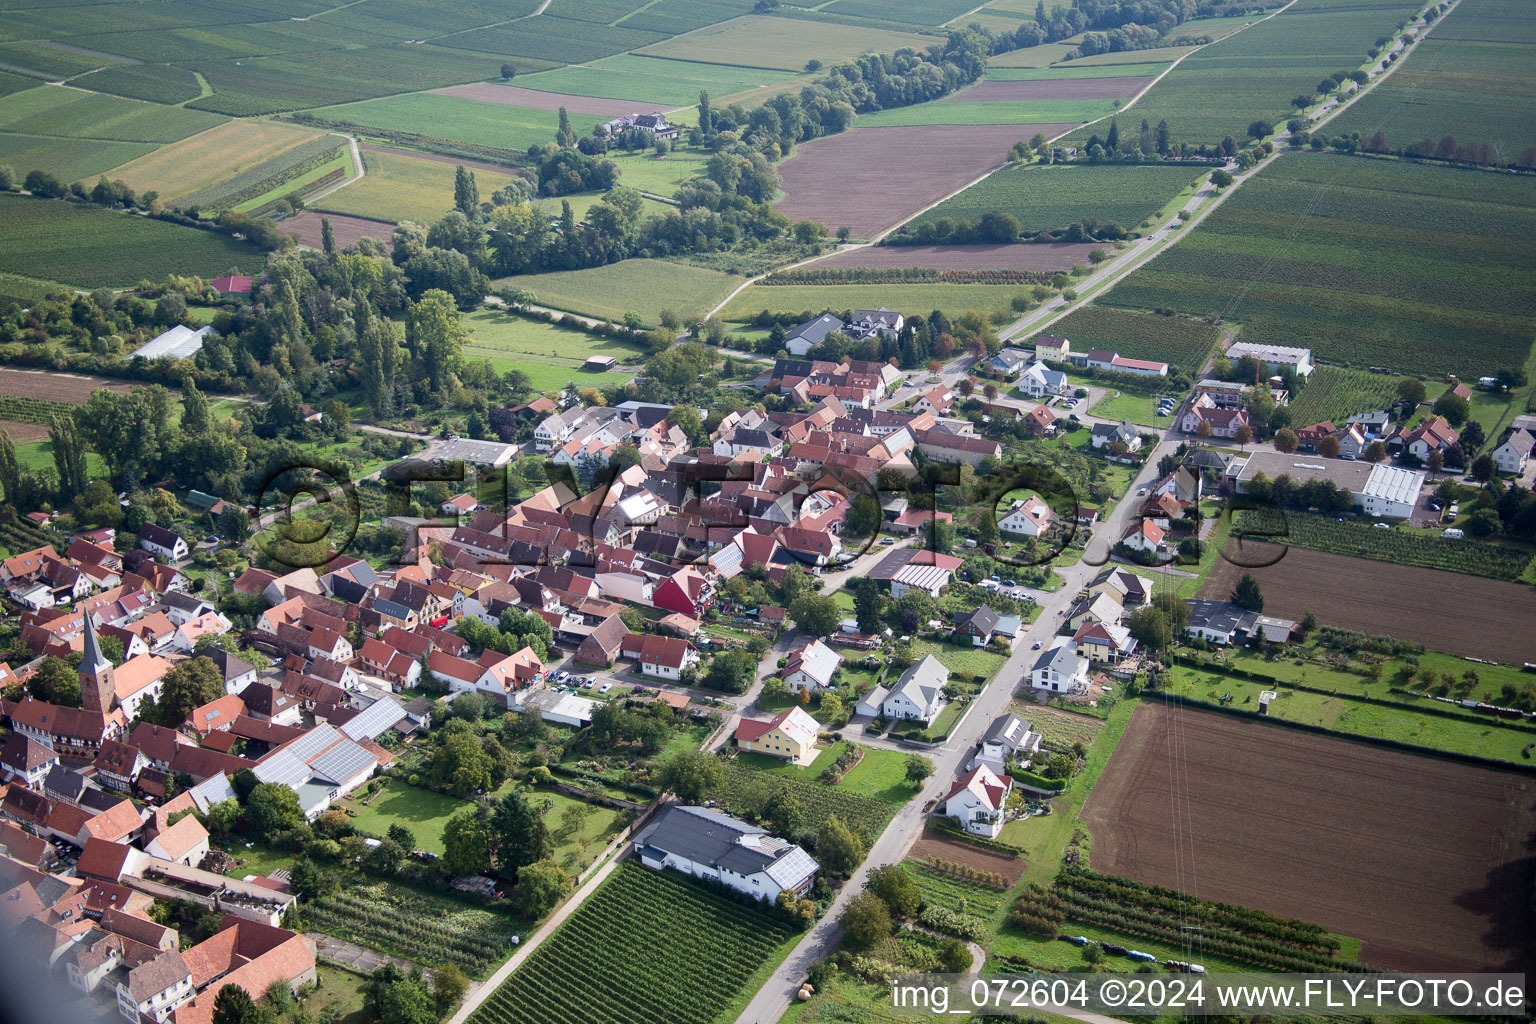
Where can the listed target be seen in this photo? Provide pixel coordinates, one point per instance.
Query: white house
(1008, 736)
(1145, 536)
(665, 657)
(1010, 362)
(978, 801)
(707, 843)
(1220, 622)
(1515, 452)
(1029, 517)
(811, 667)
(918, 694)
(1106, 434)
(155, 988)
(185, 842)
(876, 321)
(1059, 669)
(810, 334)
(1040, 381)
(162, 542)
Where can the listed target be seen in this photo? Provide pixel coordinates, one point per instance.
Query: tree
(955, 956)
(564, 137)
(327, 236)
(460, 762)
(385, 857)
(508, 72)
(1410, 391)
(706, 116)
(1453, 407)
(816, 614)
(691, 774)
(233, 1005)
(864, 517)
(731, 671)
(1243, 434)
(1247, 593)
(866, 921)
(222, 817)
(896, 889)
(1221, 178)
(1328, 447)
(1150, 627)
(189, 685)
(1482, 468)
(68, 457)
(1093, 954)
(408, 1002)
(1483, 522)
(518, 834)
(540, 888)
(271, 808)
(1434, 462)
(839, 849)
(436, 336)
(466, 194)
(918, 768)
(449, 983)
(1285, 440)
(1374, 452)
(1112, 140)
(55, 682)
(467, 842)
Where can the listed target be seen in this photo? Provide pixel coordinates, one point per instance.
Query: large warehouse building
(1389, 492)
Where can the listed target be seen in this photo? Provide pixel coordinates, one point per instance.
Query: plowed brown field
(1445, 611)
(1049, 89)
(348, 229)
(934, 845)
(74, 388)
(1428, 862)
(871, 179)
(1048, 256)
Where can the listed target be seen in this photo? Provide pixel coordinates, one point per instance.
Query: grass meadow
(642, 286)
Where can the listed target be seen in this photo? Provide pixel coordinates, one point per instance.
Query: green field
(90, 247)
(642, 286)
(50, 61)
(1334, 393)
(548, 354)
(454, 117)
(1470, 79)
(1051, 197)
(905, 298)
(70, 113)
(67, 159)
(1401, 546)
(1102, 60)
(1367, 262)
(647, 946)
(397, 188)
(782, 44)
(1040, 56)
(154, 82)
(628, 76)
(1073, 70)
(951, 112)
(1220, 89)
(1182, 343)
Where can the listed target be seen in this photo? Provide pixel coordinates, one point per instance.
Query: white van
(1454, 533)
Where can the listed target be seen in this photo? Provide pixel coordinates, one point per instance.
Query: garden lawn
(641, 286)
(419, 809)
(597, 825)
(1139, 408)
(881, 774)
(964, 662)
(340, 992)
(542, 351)
(770, 765)
(645, 171)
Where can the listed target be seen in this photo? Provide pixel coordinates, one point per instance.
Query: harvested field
(516, 96)
(1439, 863)
(1049, 89)
(871, 179)
(211, 157)
(21, 432)
(348, 229)
(1052, 256)
(935, 845)
(74, 388)
(1467, 615)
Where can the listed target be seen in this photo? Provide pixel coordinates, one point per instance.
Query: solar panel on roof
(346, 760)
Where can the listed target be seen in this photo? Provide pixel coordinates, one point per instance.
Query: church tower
(98, 687)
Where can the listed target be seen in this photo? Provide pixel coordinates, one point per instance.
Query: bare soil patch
(1050, 89)
(20, 431)
(933, 845)
(1426, 861)
(1045, 256)
(1446, 611)
(348, 229)
(871, 179)
(517, 96)
(74, 388)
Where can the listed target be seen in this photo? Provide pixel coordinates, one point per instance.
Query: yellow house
(792, 736)
(1095, 608)
(1123, 586)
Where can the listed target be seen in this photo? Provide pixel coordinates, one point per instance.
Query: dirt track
(1445, 611)
(871, 179)
(516, 96)
(1051, 256)
(1428, 862)
(1050, 89)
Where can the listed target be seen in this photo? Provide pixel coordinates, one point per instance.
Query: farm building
(232, 284)
(599, 364)
(709, 844)
(1380, 490)
(1274, 357)
(177, 343)
(810, 334)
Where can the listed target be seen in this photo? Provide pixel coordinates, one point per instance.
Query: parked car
(1036, 646)
(605, 688)
(1383, 526)
(1141, 492)
(1076, 418)
(1009, 583)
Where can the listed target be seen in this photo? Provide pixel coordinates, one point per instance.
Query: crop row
(25, 409)
(1334, 393)
(648, 946)
(1255, 923)
(1180, 341)
(905, 275)
(264, 176)
(745, 791)
(1426, 550)
(958, 895)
